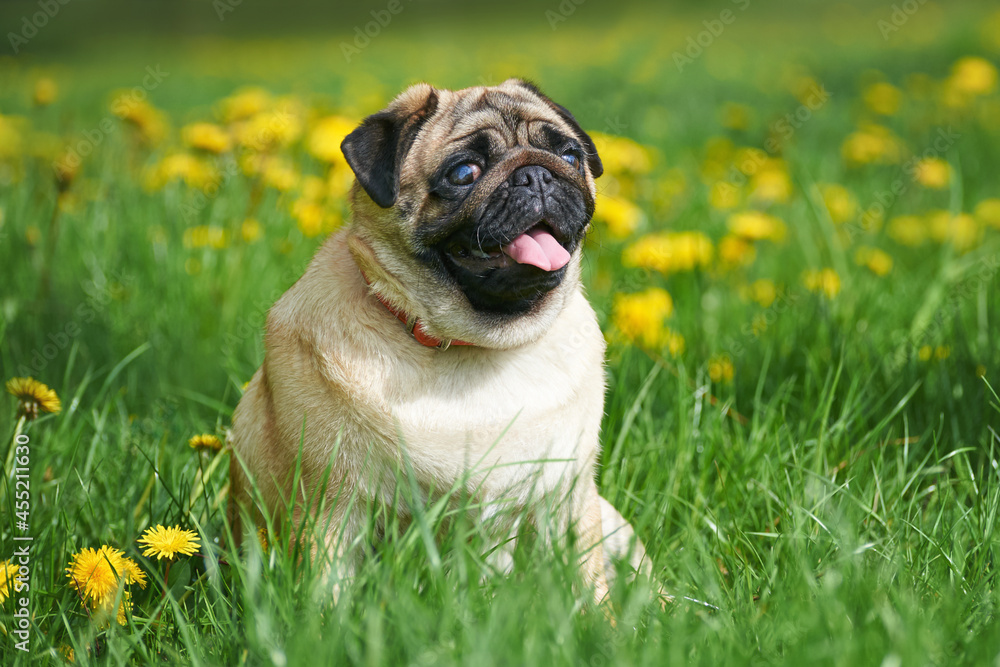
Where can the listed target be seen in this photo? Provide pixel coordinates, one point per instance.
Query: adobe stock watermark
(56, 342)
(562, 12)
(223, 7)
(253, 321)
(31, 25)
(983, 277)
(781, 130)
(191, 209)
(901, 13)
(363, 35)
(885, 198)
(20, 593)
(258, 141)
(696, 44)
(94, 137)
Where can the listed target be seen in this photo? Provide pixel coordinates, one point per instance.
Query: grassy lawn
(795, 260)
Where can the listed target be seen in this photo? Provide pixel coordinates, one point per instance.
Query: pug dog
(444, 330)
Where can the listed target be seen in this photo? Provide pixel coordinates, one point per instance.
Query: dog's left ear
(375, 149)
(593, 159)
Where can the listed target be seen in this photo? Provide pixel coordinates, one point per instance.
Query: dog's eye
(464, 174)
(572, 158)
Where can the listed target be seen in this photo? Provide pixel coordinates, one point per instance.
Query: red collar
(413, 326)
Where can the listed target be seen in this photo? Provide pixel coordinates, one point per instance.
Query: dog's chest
(513, 414)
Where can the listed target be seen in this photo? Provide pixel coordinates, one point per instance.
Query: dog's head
(471, 208)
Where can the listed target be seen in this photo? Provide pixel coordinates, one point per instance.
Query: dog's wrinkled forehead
(506, 115)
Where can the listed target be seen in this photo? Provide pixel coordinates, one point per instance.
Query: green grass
(834, 504)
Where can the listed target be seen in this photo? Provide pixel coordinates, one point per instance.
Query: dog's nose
(531, 176)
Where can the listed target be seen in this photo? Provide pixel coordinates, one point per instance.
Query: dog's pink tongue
(538, 248)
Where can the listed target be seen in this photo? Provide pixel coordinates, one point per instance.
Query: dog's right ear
(375, 150)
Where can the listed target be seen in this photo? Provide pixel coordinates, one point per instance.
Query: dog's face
(477, 198)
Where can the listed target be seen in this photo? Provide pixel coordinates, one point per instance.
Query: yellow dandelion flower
(980, 371)
(672, 341)
(872, 144)
(45, 92)
(106, 609)
(67, 652)
(621, 216)
(908, 230)
(973, 76)
(12, 132)
(621, 155)
(825, 281)
(735, 116)
(771, 182)
(280, 175)
(125, 604)
(932, 173)
(206, 442)
(8, 573)
(639, 316)
(340, 181)
(149, 122)
(313, 188)
(925, 353)
(309, 217)
(33, 397)
(883, 98)
(942, 352)
(877, 261)
(207, 137)
(265, 545)
(132, 572)
(192, 170)
(326, 136)
(244, 103)
(756, 226)
(268, 130)
(668, 252)
(204, 236)
(720, 369)
(252, 164)
(251, 230)
(840, 203)
(96, 574)
(749, 159)
(987, 212)
(724, 196)
(168, 542)
(763, 291)
(962, 230)
(735, 251)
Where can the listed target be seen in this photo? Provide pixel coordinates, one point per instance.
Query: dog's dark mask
(501, 216)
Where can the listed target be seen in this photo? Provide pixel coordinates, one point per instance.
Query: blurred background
(794, 260)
